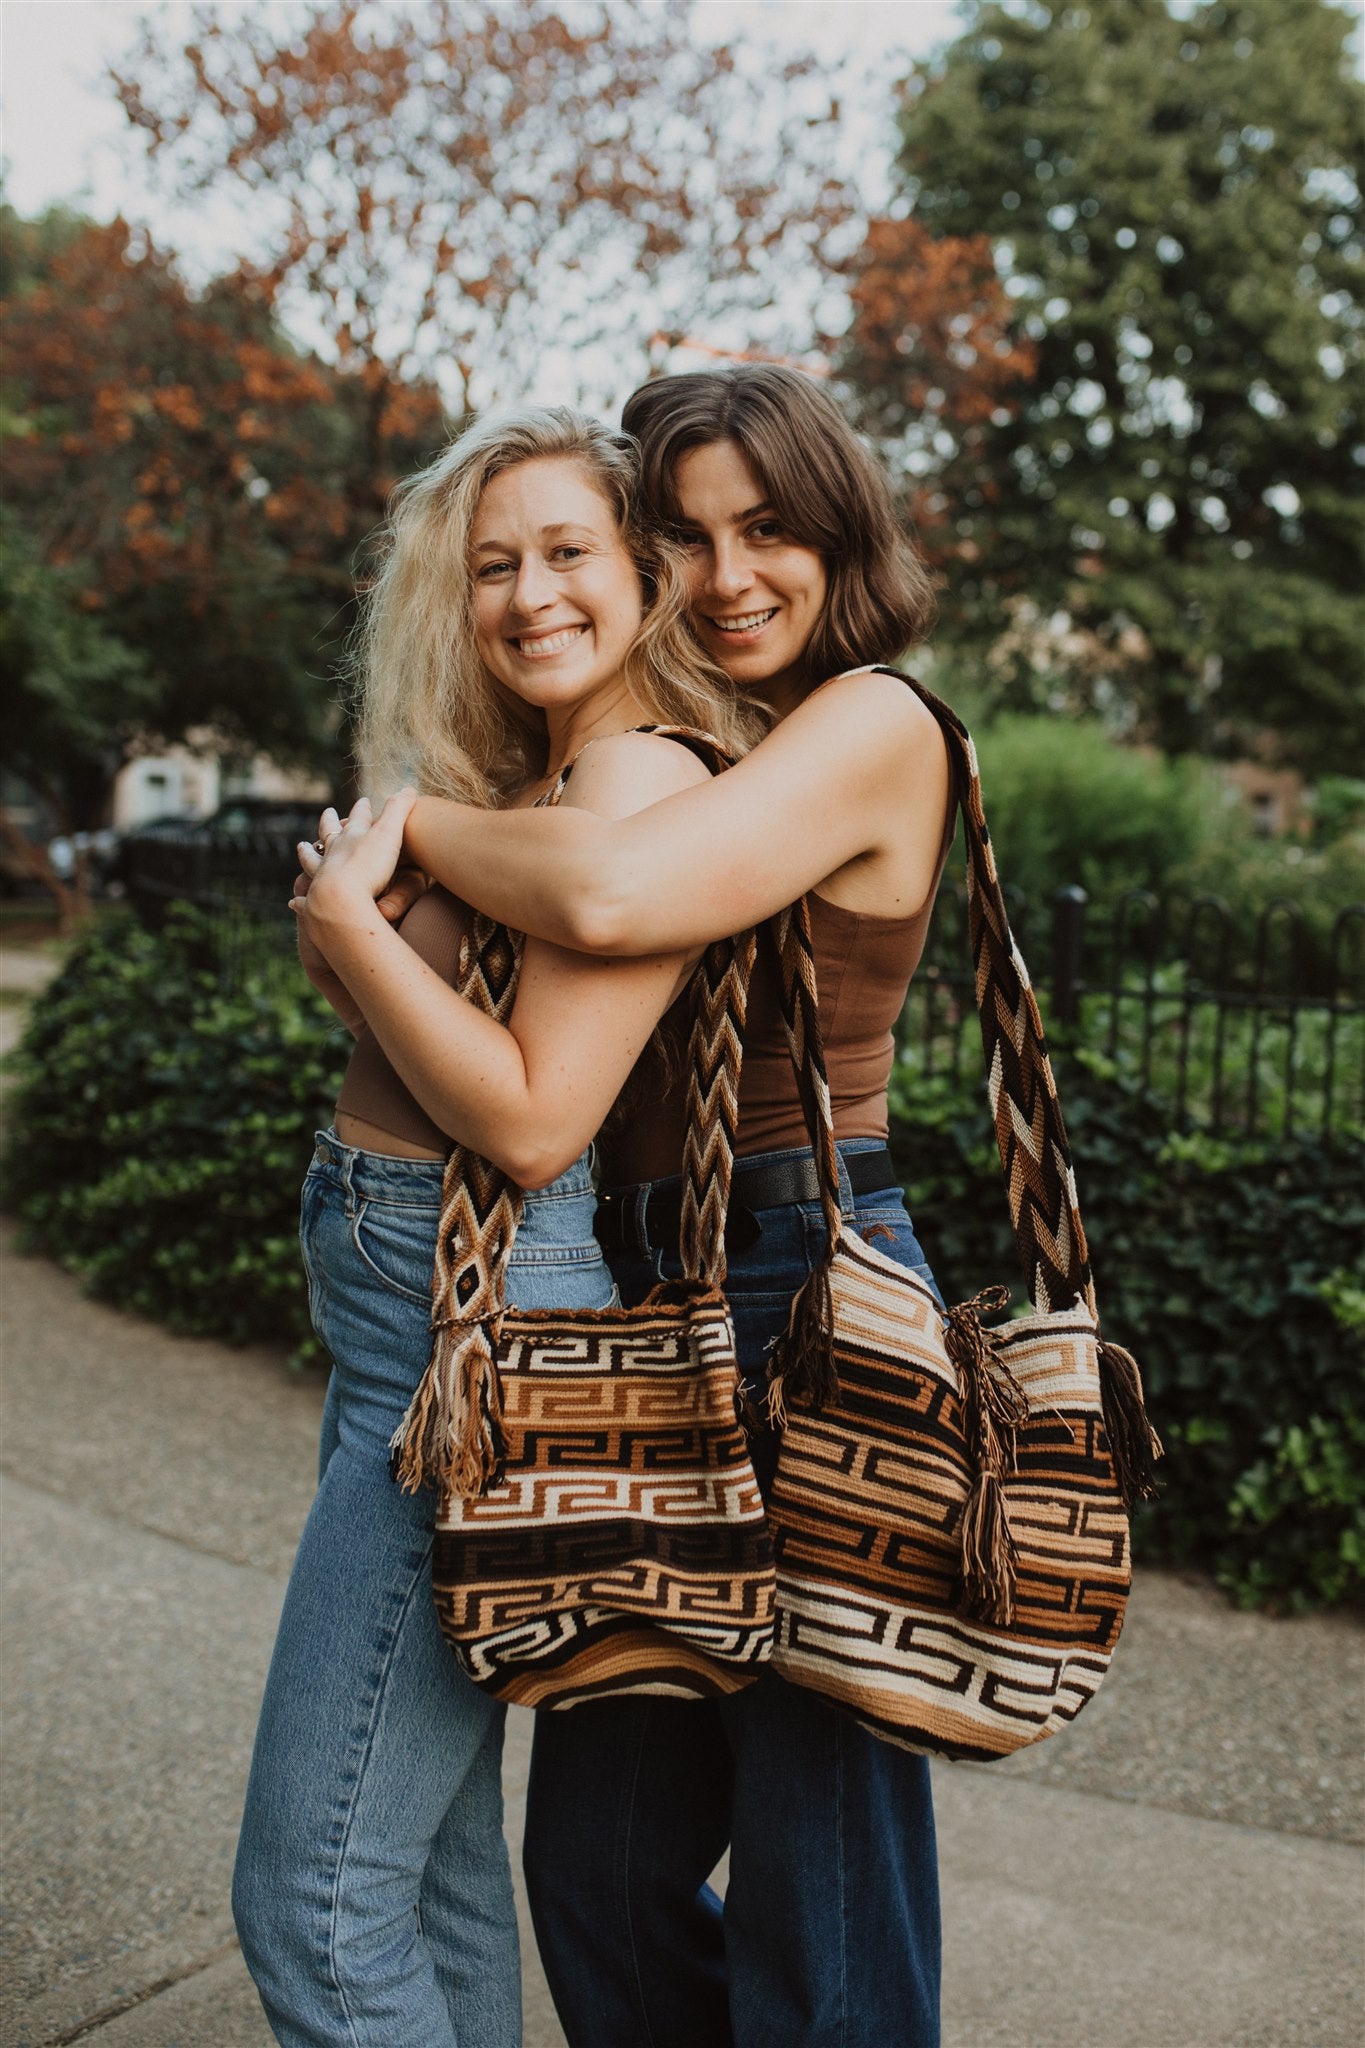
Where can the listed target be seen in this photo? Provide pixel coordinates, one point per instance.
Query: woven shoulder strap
(452, 1434)
(1034, 1154)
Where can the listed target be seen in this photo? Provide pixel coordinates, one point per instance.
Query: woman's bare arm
(529, 1095)
(849, 791)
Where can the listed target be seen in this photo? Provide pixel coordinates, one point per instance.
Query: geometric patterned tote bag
(599, 1529)
(950, 1509)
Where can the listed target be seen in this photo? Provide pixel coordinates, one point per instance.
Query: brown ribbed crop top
(371, 1089)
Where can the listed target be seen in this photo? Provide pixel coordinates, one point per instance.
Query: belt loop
(345, 1158)
(845, 1185)
(636, 1220)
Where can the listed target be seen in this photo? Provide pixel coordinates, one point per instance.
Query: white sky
(64, 138)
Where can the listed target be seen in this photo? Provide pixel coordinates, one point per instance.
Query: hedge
(161, 1126)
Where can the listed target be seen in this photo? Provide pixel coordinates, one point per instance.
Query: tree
(186, 493)
(935, 358)
(465, 187)
(69, 691)
(1174, 208)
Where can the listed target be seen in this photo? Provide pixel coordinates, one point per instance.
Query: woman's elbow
(598, 909)
(534, 1166)
(529, 1153)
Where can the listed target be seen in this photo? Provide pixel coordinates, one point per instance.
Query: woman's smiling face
(757, 594)
(557, 598)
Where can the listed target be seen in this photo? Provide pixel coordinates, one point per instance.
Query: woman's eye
(569, 553)
(690, 541)
(766, 529)
(488, 572)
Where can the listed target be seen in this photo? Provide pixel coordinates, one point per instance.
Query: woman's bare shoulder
(625, 771)
(875, 713)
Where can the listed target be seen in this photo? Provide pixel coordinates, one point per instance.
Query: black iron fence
(1249, 1028)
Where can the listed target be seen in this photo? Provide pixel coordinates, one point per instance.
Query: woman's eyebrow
(507, 547)
(736, 518)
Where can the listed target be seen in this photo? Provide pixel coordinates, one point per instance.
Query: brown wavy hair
(823, 485)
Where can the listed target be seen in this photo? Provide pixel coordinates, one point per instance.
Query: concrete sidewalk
(1178, 1871)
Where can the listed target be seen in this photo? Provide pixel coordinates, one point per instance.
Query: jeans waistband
(646, 1217)
(383, 1176)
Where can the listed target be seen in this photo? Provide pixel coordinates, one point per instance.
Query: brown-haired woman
(798, 571)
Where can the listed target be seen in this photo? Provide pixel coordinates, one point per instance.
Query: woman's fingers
(402, 892)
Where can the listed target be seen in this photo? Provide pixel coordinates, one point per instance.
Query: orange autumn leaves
(154, 432)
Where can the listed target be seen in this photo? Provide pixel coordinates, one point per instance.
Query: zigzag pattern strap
(790, 933)
(452, 1433)
(720, 998)
(1029, 1129)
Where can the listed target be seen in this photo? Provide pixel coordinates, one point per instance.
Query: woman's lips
(542, 646)
(743, 625)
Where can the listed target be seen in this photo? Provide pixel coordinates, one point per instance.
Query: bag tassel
(990, 1556)
(1133, 1444)
(801, 1362)
(452, 1436)
(995, 1407)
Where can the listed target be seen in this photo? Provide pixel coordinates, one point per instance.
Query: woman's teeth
(552, 643)
(745, 624)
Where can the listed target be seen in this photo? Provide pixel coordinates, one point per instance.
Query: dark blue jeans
(829, 1935)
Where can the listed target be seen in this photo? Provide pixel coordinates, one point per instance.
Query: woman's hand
(358, 862)
(408, 885)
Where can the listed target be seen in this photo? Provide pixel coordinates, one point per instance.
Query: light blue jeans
(372, 1891)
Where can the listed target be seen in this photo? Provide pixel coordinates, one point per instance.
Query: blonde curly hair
(429, 710)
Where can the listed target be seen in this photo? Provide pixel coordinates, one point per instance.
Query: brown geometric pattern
(949, 1514)
(624, 1549)
(599, 1528)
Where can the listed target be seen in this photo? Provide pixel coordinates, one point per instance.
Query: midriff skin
(367, 1137)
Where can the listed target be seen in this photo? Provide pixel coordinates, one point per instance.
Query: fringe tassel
(452, 1436)
(801, 1362)
(1133, 1444)
(990, 1557)
(995, 1407)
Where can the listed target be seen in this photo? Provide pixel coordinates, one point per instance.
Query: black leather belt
(772, 1185)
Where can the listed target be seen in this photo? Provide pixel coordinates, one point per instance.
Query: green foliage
(1068, 805)
(1169, 522)
(161, 1125)
(1339, 810)
(1229, 1273)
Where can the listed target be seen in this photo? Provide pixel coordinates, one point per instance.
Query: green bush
(1067, 804)
(1226, 1271)
(161, 1125)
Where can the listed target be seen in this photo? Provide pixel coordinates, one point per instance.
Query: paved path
(1178, 1871)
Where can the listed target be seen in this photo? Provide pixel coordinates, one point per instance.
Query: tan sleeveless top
(863, 967)
(371, 1089)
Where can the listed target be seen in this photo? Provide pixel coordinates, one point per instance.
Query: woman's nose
(730, 572)
(534, 587)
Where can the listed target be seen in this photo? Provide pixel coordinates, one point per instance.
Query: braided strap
(801, 1362)
(452, 1434)
(1029, 1130)
(720, 995)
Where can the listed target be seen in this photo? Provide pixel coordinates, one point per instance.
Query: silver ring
(319, 846)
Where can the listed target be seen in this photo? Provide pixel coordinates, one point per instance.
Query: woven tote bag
(599, 1528)
(950, 1510)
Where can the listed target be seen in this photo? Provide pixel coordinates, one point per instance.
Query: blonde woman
(524, 617)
